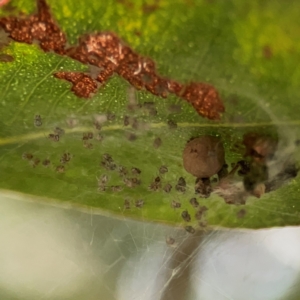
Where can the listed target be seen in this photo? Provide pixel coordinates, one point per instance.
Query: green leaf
(248, 50)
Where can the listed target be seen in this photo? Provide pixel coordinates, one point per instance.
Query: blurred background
(53, 253)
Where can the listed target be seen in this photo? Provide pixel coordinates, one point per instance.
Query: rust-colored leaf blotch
(83, 85)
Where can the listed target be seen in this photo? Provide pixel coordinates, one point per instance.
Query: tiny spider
(122, 171)
(35, 162)
(27, 156)
(60, 169)
(203, 224)
(53, 137)
(186, 216)
(59, 131)
(102, 180)
(181, 185)
(90, 135)
(112, 166)
(175, 204)
(107, 157)
(131, 182)
(87, 145)
(99, 137)
(116, 188)
(131, 137)
(38, 121)
(87, 136)
(126, 120)
(163, 169)
(167, 188)
(135, 171)
(46, 162)
(66, 157)
(97, 125)
(190, 229)
(101, 188)
(110, 116)
(126, 204)
(181, 181)
(155, 185)
(157, 179)
(203, 187)
(139, 203)
(194, 202)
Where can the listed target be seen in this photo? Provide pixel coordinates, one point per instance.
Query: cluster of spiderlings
(33, 161)
(110, 53)
(156, 184)
(137, 203)
(107, 162)
(57, 133)
(130, 182)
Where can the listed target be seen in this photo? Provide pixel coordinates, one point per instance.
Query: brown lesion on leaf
(83, 84)
(37, 27)
(109, 53)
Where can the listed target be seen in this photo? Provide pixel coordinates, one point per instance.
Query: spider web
(52, 253)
